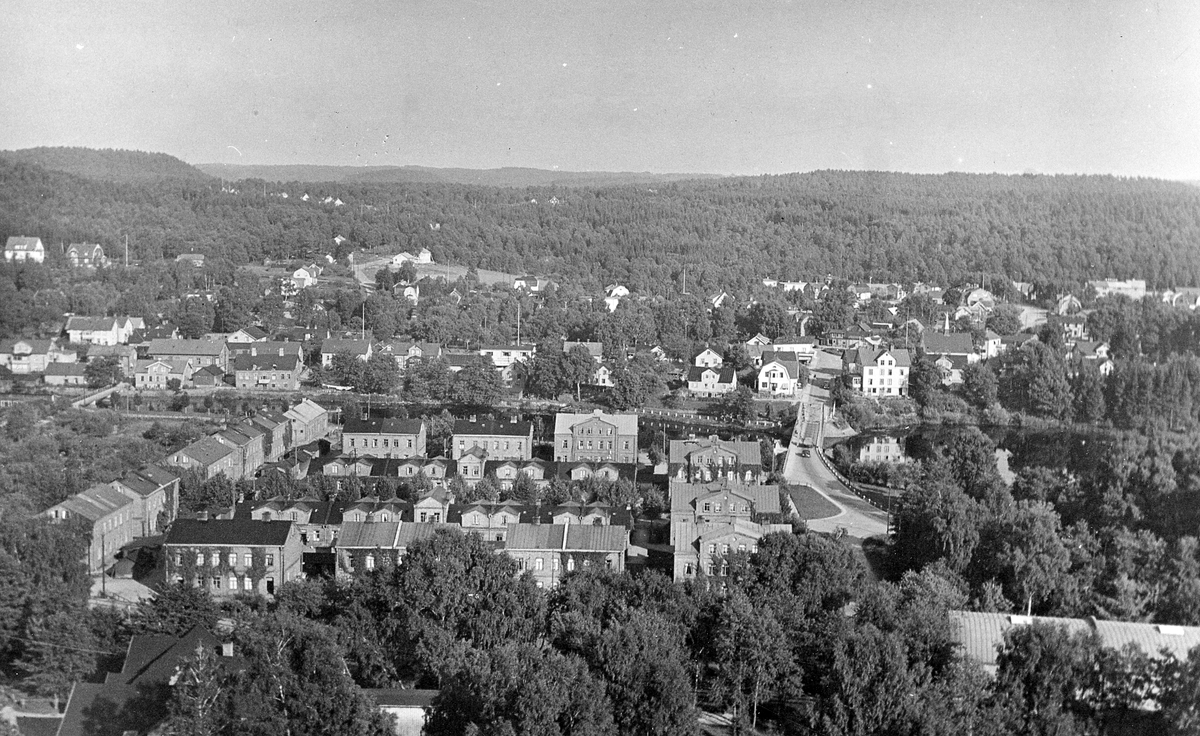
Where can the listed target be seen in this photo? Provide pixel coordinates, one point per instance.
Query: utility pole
(126, 250)
(103, 582)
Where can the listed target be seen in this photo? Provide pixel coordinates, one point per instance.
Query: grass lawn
(811, 504)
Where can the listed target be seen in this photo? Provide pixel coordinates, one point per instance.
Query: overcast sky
(1052, 86)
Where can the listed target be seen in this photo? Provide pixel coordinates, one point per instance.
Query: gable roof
(492, 427)
(383, 426)
(181, 347)
(305, 411)
(266, 363)
(369, 534)
(337, 345)
(229, 532)
(871, 356)
(748, 453)
(765, 498)
(66, 369)
(567, 537)
(96, 502)
(624, 423)
(725, 374)
(207, 451)
(954, 343)
(18, 243)
(90, 324)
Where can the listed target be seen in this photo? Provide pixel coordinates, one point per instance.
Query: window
(724, 549)
(352, 442)
(537, 564)
(689, 569)
(270, 560)
(570, 564)
(248, 560)
(712, 549)
(233, 559)
(626, 444)
(741, 548)
(423, 517)
(718, 508)
(232, 583)
(707, 506)
(369, 563)
(520, 563)
(216, 582)
(410, 443)
(199, 559)
(566, 444)
(178, 559)
(247, 583)
(554, 564)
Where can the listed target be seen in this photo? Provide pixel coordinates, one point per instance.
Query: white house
(779, 374)
(708, 358)
(881, 372)
(709, 382)
(302, 278)
(22, 248)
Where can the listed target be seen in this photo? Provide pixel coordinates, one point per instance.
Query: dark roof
(209, 370)
(382, 426)
(66, 369)
(354, 347)
(111, 708)
(725, 374)
(94, 324)
(29, 724)
(266, 348)
(155, 657)
(955, 342)
(168, 347)
(397, 698)
(748, 453)
(493, 427)
(272, 362)
(229, 532)
(158, 474)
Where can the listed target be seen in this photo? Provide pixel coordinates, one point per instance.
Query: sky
(925, 86)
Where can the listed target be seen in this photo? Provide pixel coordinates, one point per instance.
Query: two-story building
(880, 372)
(503, 356)
(707, 358)
(501, 439)
(779, 374)
(86, 255)
(155, 494)
(157, 373)
(402, 351)
(384, 437)
(229, 557)
(506, 472)
(248, 441)
(23, 248)
(23, 357)
(595, 436)
(109, 513)
(209, 457)
(99, 330)
(273, 372)
(310, 422)
(708, 459)
(549, 551)
(202, 353)
(710, 382)
(277, 431)
(709, 522)
(359, 349)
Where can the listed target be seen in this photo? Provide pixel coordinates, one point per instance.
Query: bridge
(104, 393)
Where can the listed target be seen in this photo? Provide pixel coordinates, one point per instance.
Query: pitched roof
(154, 658)
(871, 356)
(567, 537)
(23, 243)
(980, 633)
(725, 374)
(369, 534)
(167, 347)
(764, 498)
(91, 324)
(265, 363)
(96, 502)
(207, 451)
(354, 347)
(492, 427)
(624, 423)
(66, 369)
(247, 532)
(748, 453)
(955, 342)
(305, 411)
(398, 698)
(124, 709)
(383, 426)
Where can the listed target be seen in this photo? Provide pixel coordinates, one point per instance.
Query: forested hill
(504, 177)
(725, 233)
(109, 164)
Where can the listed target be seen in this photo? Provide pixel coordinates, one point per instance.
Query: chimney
(513, 418)
(226, 649)
(202, 515)
(473, 418)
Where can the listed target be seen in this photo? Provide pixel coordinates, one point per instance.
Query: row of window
(462, 444)
(539, 564)
(247, 583)
(215, 559)
(375, 442)
(734, 508)
(712, 549)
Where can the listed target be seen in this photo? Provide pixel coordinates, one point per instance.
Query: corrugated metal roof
(96, 502)
(535, 536)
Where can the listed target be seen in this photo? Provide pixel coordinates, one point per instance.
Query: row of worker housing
(145, 502)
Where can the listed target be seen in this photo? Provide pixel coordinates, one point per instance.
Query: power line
(63, 646)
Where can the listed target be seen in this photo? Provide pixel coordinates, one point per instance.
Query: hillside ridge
(108, 164)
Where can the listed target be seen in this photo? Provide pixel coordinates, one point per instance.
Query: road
(860, 519)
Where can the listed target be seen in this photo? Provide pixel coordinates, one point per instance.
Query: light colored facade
(22, 248)
(310, 422)
(32, 356)
(711, 522)
(202, 353)
(99, 330)
(883, 372)
(270, 372)
(86, 255)
(708, 459)
(397, 438)
(708, 358)
(710, 382)
(779, 374)
(596, 437)
(155, 374)
(501, 440)
(503, 356)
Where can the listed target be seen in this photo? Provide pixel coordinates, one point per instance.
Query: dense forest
(723, 234)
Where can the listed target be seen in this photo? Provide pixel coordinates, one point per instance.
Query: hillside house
(99, 330)
(209, 457)
(202, 353)
(405, 350)
(65, 374)
(251, 334)
(86, 255)
(360, 349)
(22, 248)
(879, 372)
(708, 358)
(157, 373)
(155, 494)
(953, 344)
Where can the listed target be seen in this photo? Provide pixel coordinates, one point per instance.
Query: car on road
(805, 452)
